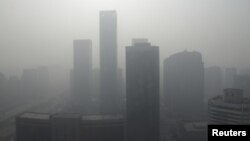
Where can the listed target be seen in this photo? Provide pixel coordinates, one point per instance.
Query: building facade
(183, 84)
(69, 127)
(142, 88)
(109, 103)
(81, 76)
(231, 108)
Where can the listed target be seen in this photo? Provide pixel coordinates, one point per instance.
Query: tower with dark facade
(108, 63)
(142, 87)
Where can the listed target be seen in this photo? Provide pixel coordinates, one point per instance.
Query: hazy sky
(41, 32)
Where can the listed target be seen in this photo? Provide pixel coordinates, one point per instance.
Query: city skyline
(201, 26)
(68, 72)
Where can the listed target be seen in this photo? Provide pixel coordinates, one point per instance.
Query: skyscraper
(213, 82)
(108, 63)
(142, 82)
(82, 75)
(184, 85)
(230, 74)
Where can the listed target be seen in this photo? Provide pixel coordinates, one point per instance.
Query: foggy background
(41, 33)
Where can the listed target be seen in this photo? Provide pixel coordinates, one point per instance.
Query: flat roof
(195, 126)
(102, 117)
(35, 116)
(66, 115)
(221, 99)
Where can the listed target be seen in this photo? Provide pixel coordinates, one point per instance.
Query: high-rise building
(230, 74)
(81, 76)
(184, 85)
(29, 84)
(43, 79)
(108, 63)
(3, 81)
(231, 108)
(142, 98)
(213, 82)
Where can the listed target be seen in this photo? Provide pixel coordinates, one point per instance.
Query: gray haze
(41, 32)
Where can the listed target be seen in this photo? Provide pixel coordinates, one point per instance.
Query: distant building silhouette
(29, 81)
(81, 76)
(35, 83)
(184, 85)
(3, 90)
(213, 82)
(13, 89)
(245, 71)
(243, 82)
(109, 96)
(142, 98)
(231, 108)
(43, 79)
(229, 76)
(69, 127)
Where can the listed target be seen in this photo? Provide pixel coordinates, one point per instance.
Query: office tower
(184, 85)
(121, 89)
(13, 90)
(65, 127)
(81, 76)
(43, 80)
(29, 84)
(2, 91)
(230, 74)
(142, 82)
(231, 108)
(108, 63)
(102, 128)
(33, 127)
(245, 71)
(213, 82)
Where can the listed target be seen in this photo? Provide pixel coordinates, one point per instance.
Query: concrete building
(213, 82)
(33, 127)
(183, 84)
(81, 76)
(231, 108)
(69, 127)
(142, 98)
(102, 128)
(109, 95)
(229, 76)
(65, 127)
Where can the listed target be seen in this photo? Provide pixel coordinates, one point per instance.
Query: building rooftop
(35, 116)
(102, 117)
(195, 126)
(232, 96)
(66, 115)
